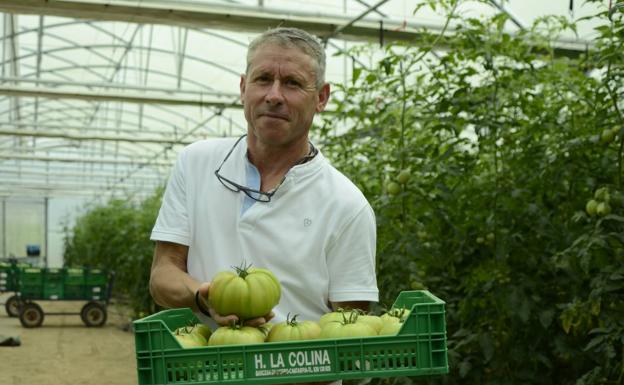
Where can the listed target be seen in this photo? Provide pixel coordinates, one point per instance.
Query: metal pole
(45, 230)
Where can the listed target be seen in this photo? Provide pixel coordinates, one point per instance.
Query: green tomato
(236, 335)
(393, 188)
(603, 208)
(590, 207)
(266, 328)
(404, 176)
(347, 330)
(607, 136)
(602, 195)
(400, 314)
(373, 321)
(293, 330)
(390, 328)
(248, 293)
(340, 315)
(202, 329)
(189, 339)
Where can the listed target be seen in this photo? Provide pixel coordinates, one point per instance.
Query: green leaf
(357, 71)
(546, 317)
(594, 342)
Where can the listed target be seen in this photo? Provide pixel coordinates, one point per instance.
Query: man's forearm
(172, 288)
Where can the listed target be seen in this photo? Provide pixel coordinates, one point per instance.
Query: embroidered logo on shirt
(307, 222)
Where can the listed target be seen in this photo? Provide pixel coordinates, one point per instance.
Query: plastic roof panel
(98, 104)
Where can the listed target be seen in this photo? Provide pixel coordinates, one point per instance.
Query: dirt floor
(63, 351)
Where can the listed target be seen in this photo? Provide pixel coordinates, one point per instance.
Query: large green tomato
(236, 335)
(400, 314)
(590, 207)
(293, 330)
(202, 329)
(339, 315)
(347, 330)
(390, 328)
(372, 320)
(189, 338)
(248, 293)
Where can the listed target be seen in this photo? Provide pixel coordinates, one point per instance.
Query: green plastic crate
(74, 277)
(31, 276)
(419, 349)
(96, 277)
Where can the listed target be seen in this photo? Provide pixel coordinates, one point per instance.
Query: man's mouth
(274, 115)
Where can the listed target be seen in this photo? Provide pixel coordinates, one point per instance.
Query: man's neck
(273, 162)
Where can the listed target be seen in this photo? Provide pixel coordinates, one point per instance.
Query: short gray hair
(289, 38)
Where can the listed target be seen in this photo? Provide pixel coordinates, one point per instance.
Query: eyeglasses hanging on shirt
(257, 195)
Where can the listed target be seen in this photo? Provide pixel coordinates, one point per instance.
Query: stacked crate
(63, 284)
(74, 283)
(97, 282)
(9, 275)
(31, 282)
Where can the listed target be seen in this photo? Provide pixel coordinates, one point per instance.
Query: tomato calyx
(242, 270)
(292, 321)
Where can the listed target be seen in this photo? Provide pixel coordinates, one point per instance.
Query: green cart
(63, 284)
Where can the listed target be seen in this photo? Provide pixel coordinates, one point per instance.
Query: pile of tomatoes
(253, 292)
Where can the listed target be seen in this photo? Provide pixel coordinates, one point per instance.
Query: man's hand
(204, 293)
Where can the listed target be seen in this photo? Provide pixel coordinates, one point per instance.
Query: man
(269, 199)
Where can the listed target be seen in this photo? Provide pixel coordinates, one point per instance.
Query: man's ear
(242, 88)
(323, 97)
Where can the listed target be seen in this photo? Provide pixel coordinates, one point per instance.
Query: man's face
(279, 94)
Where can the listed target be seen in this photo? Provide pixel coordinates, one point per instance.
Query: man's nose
(274, 93)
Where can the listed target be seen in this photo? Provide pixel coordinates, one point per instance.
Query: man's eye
(293, 83)
(263, 79)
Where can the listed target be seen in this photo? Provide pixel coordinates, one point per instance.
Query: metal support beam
(513, 18)
(238, 18)
(351, 22)
(138, 138)
(80, 185)
(60, 191)
(132, 97)
(119, 86)
(80, 176)
(214, 16)
(44, 158)
(164, 132)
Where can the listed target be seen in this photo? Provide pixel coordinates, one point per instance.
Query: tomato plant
(503, 134)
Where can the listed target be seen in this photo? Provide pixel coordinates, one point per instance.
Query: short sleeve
(172, 223)
(351, 260)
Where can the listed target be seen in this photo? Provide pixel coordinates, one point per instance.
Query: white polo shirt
(317, 234)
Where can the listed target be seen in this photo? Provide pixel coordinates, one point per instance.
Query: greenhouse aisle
(64, 351)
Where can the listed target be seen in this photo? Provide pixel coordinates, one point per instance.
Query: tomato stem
(292, 321)
(242, 270)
